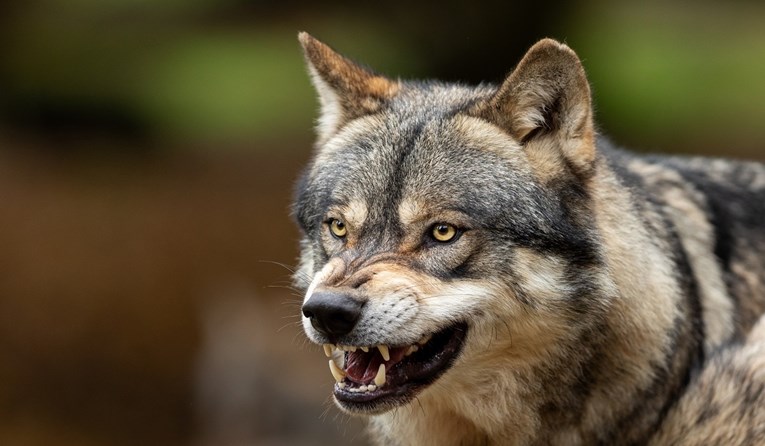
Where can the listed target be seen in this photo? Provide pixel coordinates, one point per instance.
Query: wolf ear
(346, 90)
(546, 95)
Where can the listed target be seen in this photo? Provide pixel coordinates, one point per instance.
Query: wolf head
(446, 228)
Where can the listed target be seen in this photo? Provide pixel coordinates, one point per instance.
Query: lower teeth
(360, 389)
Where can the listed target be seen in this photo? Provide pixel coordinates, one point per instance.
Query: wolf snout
(332, 314)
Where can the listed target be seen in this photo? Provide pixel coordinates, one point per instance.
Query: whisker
(289, 325)
(328, 404)
(419, 403)
(293, 291)
(289, 268)
(303, 341)
(293, 305)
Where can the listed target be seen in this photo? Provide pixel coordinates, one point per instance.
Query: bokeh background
(148, 150)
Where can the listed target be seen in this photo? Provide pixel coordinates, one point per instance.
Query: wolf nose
(332, 314)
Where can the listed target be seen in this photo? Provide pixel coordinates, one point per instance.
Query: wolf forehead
(421, 149)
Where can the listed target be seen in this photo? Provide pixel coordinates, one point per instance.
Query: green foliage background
(670, 76)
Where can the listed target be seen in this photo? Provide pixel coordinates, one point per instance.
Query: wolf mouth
(374, 379)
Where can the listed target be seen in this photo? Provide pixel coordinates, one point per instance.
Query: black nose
(334, 314)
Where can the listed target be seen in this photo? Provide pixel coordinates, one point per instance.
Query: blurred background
(147, 156)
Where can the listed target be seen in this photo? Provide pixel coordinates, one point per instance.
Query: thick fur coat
(483, 268)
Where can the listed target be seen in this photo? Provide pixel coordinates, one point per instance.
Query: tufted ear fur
(346, 90)
(547, 97)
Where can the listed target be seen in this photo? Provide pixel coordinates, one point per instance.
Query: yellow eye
(338, 228)
(444, 232)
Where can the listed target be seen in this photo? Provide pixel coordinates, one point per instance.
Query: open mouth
(376, 378)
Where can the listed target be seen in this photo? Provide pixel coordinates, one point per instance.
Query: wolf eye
(338, 228)
(443, 232)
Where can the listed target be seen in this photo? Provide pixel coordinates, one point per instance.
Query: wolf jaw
(372, 379)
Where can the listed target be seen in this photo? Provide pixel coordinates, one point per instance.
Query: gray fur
(603, 293)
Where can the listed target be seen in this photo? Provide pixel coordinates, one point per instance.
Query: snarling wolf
(482, 267)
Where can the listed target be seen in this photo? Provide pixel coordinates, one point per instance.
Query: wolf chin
(481, 267)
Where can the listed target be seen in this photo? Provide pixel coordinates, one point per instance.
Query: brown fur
(359, 91)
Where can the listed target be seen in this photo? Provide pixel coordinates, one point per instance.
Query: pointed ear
(547, 95)
(346, 90)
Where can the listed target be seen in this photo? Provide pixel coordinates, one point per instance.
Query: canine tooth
(336, 371)
(384, 352)
(380, 377)
(425, 339)
(365, 349)
(371, 388)
(328, 349)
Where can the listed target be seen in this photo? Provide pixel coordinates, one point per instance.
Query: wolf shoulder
(730, 193)
(723, 404)
(734, 182)
(708, 214)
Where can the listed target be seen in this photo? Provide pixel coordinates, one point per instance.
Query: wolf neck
(623, 385)
(426, 423)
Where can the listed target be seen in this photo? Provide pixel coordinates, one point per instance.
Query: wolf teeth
(359, 389)
(384, 352)
(337, 373)
(384, 349)
(380, 377)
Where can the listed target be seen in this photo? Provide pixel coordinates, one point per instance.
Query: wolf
(483, 268)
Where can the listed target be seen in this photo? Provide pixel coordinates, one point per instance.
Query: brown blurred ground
(135, 289)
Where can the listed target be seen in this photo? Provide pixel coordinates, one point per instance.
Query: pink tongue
(362, 367)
